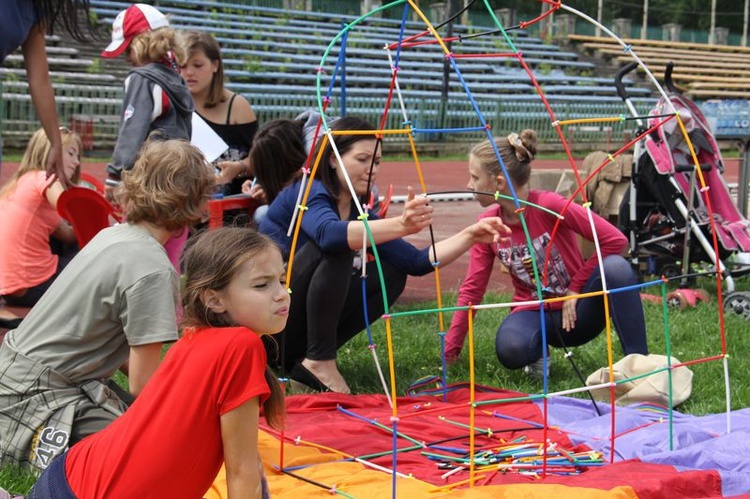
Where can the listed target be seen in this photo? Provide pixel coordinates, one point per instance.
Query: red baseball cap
(136, 19)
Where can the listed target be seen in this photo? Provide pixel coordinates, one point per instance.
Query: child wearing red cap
(156, 97)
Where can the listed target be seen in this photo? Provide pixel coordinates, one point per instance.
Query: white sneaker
(4, 494)
(536, 369)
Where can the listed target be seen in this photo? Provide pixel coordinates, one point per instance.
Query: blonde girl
(572, 322)
(28, 210)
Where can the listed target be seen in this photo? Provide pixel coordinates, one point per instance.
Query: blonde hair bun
(524, 145)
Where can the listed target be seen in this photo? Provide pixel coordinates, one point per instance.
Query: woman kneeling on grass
(327, 309)
(201, 408)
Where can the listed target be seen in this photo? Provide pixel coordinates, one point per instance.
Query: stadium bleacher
(705, 71)
(273, 56)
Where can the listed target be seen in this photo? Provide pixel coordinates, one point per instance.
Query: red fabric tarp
(319, 419)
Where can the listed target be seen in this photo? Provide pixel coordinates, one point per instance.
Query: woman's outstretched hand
(486, 230)
(417, 212)
(489, 230)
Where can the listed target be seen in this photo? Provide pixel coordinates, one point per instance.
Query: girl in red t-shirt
(201, 407)
(28, 210)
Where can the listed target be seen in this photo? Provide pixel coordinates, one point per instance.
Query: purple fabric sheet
(699, 442)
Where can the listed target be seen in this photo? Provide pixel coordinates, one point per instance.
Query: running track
(450, 216)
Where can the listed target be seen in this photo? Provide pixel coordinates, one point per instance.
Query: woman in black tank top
(228, 114)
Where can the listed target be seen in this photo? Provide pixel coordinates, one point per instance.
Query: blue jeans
(519, 338)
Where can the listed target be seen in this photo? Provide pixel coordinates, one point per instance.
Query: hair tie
(515, 142)
(171, 61)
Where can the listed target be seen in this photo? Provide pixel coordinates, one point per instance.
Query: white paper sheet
(204, 138)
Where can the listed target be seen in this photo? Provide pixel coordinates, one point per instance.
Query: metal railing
(96, 106)
(101, 106)
(501, 114)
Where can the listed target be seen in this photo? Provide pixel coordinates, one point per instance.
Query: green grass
(17, 480)
(694, 334)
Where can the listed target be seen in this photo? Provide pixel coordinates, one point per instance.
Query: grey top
(156, 98)
(310, 118)
(120, 291)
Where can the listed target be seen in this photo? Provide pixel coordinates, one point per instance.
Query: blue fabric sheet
(699, 442)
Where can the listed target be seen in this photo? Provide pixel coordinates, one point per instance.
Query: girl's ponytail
(273, 408)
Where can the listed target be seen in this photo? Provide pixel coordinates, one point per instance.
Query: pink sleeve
(481, 259)
(41, 184)
(44, 182)
(611, 240)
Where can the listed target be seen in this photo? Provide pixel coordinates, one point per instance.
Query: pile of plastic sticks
(521, 456)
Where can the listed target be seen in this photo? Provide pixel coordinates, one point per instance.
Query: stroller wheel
(739, 303)
(677, 300)
(669, 270)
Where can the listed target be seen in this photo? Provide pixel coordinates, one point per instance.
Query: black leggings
(327, 308)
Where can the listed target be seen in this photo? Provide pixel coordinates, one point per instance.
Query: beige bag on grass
(652, 389)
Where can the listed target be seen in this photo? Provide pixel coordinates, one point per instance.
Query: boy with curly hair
(111, 308)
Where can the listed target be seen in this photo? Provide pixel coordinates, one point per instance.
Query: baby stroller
(665, 214)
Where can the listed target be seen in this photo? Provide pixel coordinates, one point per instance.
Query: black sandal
(301, 374)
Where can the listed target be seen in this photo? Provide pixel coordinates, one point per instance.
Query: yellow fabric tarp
(357, 480)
